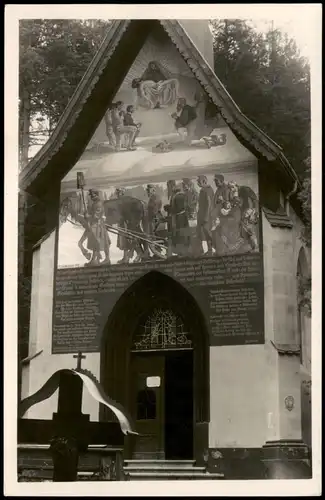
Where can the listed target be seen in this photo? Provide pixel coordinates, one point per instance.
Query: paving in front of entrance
(162, 470)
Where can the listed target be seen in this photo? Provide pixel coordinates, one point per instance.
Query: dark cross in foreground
(70, 432)
(79, 358)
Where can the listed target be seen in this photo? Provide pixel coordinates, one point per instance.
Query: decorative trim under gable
(287, 349)
(44, 238)
(27, 360)
(278, 219)
(235, 119)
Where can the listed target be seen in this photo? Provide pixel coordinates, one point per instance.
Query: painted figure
(191, 197)
(96, 220)
(250, 215)
(156, 88)
(215, 139)
(235, 217)
(185, 118)
(180, 222)
(123, 243)
(109, 127)
(205, 213)
(129, 214)
(221, 195)
(129, 122)
(170, 193)
(120, 129)
(154, 208)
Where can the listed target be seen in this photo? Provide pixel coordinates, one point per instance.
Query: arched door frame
(152, 289)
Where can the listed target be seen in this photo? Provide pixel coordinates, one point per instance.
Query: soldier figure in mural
(185, 118)
(171, 184)
(180, 222)
(156, 88)
(123, 243)
(98, 239)
(205, 214)
(153, 209)
(191, 198)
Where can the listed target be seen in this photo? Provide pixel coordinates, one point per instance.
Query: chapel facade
(161, 234)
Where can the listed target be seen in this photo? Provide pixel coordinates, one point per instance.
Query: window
(146, 404)
(162, 329)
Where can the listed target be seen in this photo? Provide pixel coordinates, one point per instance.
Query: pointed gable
(106, 75)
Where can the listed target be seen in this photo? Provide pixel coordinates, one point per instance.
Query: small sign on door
(153, 381)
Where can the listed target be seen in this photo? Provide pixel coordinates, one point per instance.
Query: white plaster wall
(289, 375)
(237, 396)
(281, 251)
(43, 366)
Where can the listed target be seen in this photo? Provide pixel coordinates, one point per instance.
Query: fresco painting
(191, 217)
(162, 176)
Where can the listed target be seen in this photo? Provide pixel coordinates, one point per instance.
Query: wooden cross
(79, 357)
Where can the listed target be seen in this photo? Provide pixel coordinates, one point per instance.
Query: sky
(295, 28)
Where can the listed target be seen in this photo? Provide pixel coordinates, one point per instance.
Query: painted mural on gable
(162, 177)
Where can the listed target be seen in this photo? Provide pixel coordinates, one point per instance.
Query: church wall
(237, 395)
(281, 252)
(43, 366)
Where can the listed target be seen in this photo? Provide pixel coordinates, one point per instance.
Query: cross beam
(79, 358)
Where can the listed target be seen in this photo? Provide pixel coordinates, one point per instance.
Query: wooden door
(147, 381)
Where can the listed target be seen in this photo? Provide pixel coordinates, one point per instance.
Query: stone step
(165, 468)
(159, 463)
(173, 476)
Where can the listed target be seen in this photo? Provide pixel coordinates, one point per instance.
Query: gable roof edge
(77, 100)
(231, 112)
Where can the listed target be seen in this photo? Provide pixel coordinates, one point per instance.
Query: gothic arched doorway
(155, 361)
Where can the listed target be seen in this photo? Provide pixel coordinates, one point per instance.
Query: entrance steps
(166, 470)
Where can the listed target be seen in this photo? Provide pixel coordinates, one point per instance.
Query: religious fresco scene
(162, 177)
(188, 217)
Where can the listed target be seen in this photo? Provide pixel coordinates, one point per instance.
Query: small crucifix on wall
(79, 358)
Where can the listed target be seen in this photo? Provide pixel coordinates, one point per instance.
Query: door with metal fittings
(148, 395)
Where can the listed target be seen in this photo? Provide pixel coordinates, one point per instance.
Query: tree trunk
(21, 297)
(25, 127)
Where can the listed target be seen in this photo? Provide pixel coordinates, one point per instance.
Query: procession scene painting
(163, 176)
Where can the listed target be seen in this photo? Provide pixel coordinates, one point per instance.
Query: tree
(54, 55)
(269, 80)
(305, 198)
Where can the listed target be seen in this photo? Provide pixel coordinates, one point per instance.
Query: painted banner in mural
(163, 181)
